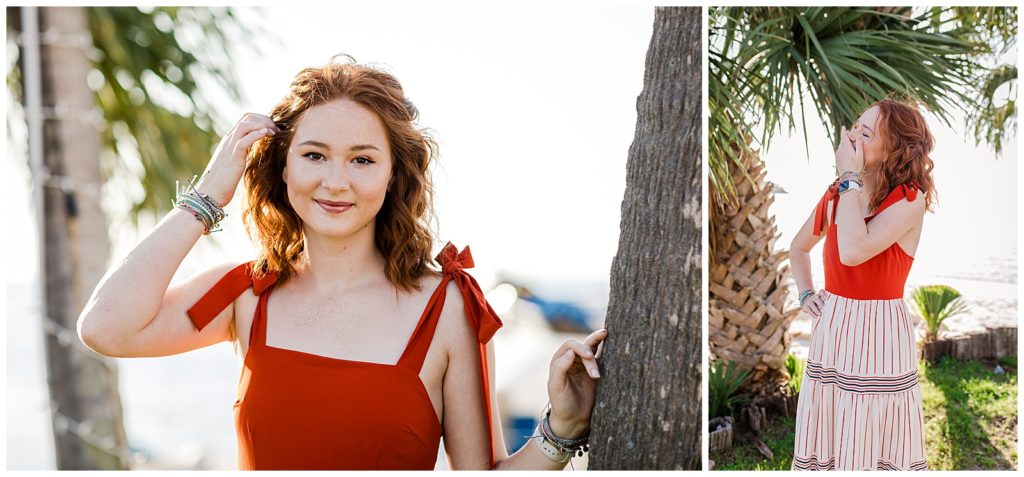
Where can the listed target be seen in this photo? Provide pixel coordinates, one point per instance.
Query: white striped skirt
(860, 402)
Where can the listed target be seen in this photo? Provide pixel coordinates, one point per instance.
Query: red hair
(906, 144)
(402, 234)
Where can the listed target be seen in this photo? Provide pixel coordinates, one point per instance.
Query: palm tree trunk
(648, 409)
(85, 405)
(748, 317)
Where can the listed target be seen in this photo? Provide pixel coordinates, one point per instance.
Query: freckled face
(338, 169)
(865, 129)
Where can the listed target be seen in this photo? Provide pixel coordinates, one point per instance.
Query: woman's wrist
(204, 208)
(567, 429)
(848, 174)
(214, 193)
(560, 439)
(806, 295)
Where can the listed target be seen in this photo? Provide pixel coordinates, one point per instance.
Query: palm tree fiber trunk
(84, 401)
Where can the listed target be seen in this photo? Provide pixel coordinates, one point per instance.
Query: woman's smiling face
(865, 129)
(338, 169)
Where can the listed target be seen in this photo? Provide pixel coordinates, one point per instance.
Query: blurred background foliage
(160, 76)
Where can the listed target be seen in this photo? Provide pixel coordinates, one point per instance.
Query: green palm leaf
(936, 303)
(995, 117)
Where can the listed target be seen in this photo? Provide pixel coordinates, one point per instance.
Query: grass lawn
(970, 416)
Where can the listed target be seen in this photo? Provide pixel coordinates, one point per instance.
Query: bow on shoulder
(232, 284)
(481, 316)
(820, 212)
(910, 190)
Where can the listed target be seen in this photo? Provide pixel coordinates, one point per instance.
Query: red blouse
(297, 410)
(883, 276)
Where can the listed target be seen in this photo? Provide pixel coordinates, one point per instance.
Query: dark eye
(311, 155)
(363, 160)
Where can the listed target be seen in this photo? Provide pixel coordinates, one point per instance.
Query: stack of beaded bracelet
(199, 205)
(850, 176)
(566, 446)
(805, 295)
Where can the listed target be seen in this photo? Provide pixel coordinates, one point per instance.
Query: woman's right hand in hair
(228, 163)
(814, 304)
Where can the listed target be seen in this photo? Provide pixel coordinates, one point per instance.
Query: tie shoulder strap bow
(229, 287)
(481, 316)
(820, 212)
(910, 189)
(907, 190)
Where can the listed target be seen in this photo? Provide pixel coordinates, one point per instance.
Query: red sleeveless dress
(298, 411)
(860, 402)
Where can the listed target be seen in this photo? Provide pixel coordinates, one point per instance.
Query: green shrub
(724, 382)
(795, 367)
(935, 303)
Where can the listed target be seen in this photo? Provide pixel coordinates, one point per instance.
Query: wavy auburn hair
(402, 234)
(906, 144)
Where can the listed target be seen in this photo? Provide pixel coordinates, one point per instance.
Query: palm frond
(936, 303)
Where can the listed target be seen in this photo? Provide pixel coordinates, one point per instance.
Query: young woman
(860, 403)
(357, 355)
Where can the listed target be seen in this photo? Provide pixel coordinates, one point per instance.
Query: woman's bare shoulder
(429, 281)
(452, 327)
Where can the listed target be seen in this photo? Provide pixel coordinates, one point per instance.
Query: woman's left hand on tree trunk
(572, 384)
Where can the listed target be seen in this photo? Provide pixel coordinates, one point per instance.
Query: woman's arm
(464, 427)
(570, 387)
(800, 254)
(800, 264)
(132, 312)
(859, 241)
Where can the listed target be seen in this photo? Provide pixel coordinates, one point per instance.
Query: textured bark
(85, 404)
(748, 312)
(648, 410)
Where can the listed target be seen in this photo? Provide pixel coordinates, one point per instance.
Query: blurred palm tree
(995, 116)
(762, 61)
(138, 87)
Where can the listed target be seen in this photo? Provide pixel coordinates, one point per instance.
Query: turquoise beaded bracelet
(200, 205)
